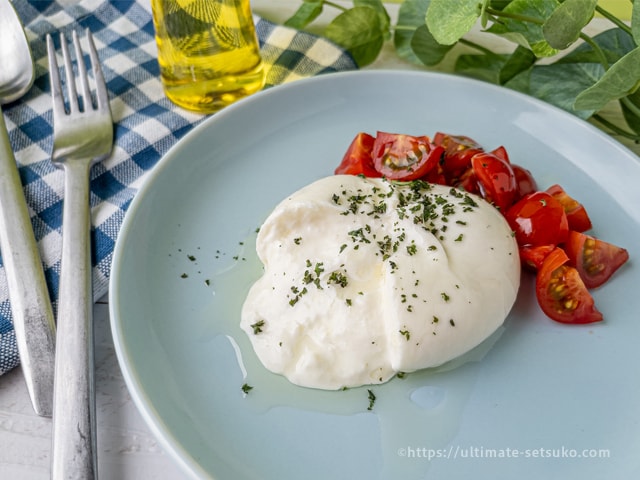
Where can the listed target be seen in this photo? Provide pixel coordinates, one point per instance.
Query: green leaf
(520, 60)
(527, 33)
(426, 48)
(614, 43)
(449, 20)
(499, 4)
(359, 31)
(494, 68)
(378, 6)
(521, 82)
(543, 81)
(410, 16)
(632, 119)
(635, 21)
(306, 13)
(515, 37)
(617, 82)
(481, 67)
(566, 22)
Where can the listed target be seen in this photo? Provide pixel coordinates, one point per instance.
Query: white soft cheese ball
(364, 278)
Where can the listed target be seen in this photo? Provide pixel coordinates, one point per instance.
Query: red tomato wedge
(576, 213)
(496, 180)
(357, 159)
(561, 293)
(532, 257)
(595, 259)
(538, 219)
(458, 150)
(501, 153)
(404, 157)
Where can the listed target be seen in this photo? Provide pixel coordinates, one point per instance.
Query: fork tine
(71, 81)
(102, 96)
(82, 74)
(54, 77)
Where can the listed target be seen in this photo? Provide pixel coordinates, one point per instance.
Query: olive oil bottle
(208, 52)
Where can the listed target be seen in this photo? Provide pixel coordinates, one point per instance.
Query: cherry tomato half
(404, 157)
(435, 175)
(538, 219)
(357, 159)
(525, 183)
(561, 293)
(458, 150)
(468, 182)
(496, 180)
(595, 259)
(576, 213)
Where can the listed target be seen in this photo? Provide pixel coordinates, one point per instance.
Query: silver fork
(83, 135)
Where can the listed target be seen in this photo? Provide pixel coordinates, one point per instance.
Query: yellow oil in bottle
(208, 52)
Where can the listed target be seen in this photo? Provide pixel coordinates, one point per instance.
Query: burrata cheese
(364, 278)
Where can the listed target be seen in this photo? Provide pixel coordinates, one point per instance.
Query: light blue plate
(539, 400)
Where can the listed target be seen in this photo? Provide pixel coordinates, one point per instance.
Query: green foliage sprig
(600, 69)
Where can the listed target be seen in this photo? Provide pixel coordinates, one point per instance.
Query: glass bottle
(208, 52)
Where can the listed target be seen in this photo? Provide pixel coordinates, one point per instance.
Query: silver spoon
(33, 318)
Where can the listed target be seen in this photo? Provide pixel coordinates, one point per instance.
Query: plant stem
(596, 48)
(614, 128)
(613, 19)
(404, 28)
(335, 5)
(632, 107)
(514, 16)
(478, 47)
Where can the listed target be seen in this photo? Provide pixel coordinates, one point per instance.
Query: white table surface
(126, 447)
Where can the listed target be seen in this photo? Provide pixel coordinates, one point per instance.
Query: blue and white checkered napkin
(147, 124)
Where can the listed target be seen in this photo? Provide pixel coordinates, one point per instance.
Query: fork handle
(33, 317)
(74, 441)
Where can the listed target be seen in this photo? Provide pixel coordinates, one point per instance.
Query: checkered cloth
(147, 124)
